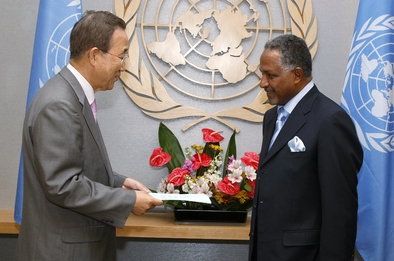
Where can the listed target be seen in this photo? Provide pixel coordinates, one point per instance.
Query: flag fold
(50, 54)
(368, 96)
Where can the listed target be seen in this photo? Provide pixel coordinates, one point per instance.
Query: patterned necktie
(94, 109)
(280, 121)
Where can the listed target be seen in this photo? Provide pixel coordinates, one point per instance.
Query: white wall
(129, 134)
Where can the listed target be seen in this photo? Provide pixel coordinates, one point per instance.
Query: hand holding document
(201, 198)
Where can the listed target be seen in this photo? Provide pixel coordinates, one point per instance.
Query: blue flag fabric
(368, 96)
(51, 53)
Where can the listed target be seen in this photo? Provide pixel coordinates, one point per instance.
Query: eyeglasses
(122, 59)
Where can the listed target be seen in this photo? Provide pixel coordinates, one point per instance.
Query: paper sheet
(201, 198)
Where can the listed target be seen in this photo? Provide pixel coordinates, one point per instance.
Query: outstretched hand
(130, 183)
(144, 201)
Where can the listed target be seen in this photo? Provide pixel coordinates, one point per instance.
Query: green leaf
(170, 144)
(207, 150)
(231, 150)
(174, 203)
(247, 187)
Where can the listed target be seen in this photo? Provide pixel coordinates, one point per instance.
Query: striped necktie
(94, 110)
(280, 121)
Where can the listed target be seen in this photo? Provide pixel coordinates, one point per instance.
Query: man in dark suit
(73, 201)
(305, 204)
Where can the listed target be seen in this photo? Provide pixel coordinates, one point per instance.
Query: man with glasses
(122, 59)
(73, 201)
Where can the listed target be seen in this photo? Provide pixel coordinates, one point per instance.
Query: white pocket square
(296, 145)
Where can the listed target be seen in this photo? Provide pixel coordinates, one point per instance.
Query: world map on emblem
(373, 73)
(212, 44)
(223, 51)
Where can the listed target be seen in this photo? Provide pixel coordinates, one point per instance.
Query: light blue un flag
(51, 53)
(368, 96)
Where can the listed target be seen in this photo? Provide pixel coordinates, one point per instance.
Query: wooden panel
(7, 223)
(158, 225)
(155, 225)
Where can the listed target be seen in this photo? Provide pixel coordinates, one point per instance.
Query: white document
(201, 198)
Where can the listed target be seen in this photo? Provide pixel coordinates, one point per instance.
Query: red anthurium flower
(226, 186)
(159, 158)
(251, 159)
(253, 185)
(177, 176)
(201, 159)
(211, 135)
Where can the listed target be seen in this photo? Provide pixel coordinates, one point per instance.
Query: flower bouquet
(199, 169)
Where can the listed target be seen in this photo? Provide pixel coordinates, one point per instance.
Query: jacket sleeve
(118, 180)
(339, 160)
(70, 167)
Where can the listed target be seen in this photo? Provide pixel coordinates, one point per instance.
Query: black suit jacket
(305, 205)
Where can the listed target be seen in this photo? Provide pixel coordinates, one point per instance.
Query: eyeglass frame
(122, 59)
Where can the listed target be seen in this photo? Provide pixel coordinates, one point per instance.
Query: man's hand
(144, 202)
(130, 183)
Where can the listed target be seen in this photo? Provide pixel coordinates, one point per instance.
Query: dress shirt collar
(87, 88)
(290, 105)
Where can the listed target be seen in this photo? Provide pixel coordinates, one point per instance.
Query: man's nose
(123, 67)
(263, 82)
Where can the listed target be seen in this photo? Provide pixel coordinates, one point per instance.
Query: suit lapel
(295, 121)
(293, 124)
(89, 118)
(95, 130)
(270, 119)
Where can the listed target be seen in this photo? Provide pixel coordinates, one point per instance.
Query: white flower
(188, 186)
(171, 189)
(236, 164)
(188, 152)
(200, 182)
(214, 178)
(201, 187)
(236, 176)
(197, 187)
(161, 188)
(194, 190)
(250, 173)
(205, 190)
(218, 162)
(215, 164)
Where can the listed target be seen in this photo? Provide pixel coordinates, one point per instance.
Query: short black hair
(94, 29)
(293, 51)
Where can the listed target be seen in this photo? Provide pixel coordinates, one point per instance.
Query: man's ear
(93, 54)
(298, 75)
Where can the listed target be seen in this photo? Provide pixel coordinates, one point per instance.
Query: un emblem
(370, 78)
(206, 50)
(57, 51)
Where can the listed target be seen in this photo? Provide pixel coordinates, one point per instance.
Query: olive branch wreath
(149, 94)
(379, 141)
